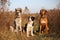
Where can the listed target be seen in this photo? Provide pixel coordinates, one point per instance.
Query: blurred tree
(26, 10)
(58, 6)
(4, 4)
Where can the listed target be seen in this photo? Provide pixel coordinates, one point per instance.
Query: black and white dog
(30, 25)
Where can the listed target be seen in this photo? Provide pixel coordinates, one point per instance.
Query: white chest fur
(30, 24)
(43, 21)
(18, 20)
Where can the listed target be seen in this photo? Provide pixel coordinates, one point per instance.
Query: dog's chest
(43, 20)
(18, 20)
(30, 24)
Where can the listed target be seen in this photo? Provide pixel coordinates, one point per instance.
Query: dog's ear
(16, 13)
(15, 10)
(33, 18)
(28, 18)
(20, 10)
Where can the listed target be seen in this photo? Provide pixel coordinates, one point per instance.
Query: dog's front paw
(20, 30)
(28, 36)
(16, 31)
(32, 35)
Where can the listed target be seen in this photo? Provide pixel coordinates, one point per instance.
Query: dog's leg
(16, 30)
(47, 29)
(28, 32)
(20, 27)
(40, 28)
(32, 31)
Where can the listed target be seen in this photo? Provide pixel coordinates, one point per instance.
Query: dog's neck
(44, 16)
(30, 22)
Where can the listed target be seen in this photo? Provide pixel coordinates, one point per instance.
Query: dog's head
(43, 12)
(18, 12)
(31, 18)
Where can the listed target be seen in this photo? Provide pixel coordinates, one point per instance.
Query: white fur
(29, 28)
(18, 24)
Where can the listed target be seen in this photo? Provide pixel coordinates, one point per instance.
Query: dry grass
(7, 20)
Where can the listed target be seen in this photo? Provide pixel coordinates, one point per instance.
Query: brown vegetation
(7, 20)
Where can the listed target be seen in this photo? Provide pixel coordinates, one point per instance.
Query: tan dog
(18, 19)
(43, 22)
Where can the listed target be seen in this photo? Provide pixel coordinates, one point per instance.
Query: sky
(33, 5)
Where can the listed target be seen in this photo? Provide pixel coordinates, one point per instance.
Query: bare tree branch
(4, 4)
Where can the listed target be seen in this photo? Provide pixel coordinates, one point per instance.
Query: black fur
(14, 25)
(32, 18)
(25, 27)
(33, 24)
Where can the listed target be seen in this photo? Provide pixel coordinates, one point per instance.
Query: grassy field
(7, 20)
